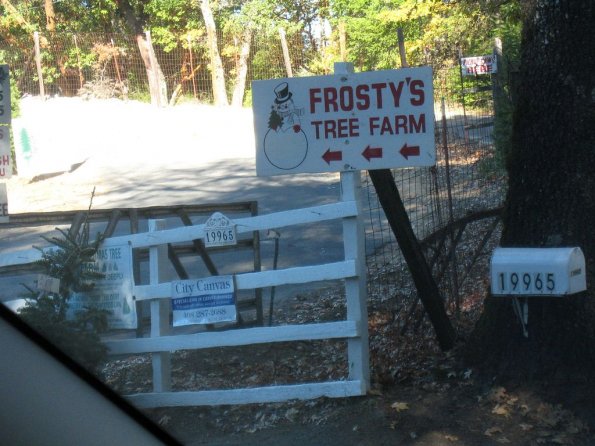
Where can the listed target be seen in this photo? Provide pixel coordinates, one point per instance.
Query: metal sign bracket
(521, 309)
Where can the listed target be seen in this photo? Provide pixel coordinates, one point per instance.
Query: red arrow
(408, 151)
(332, 156)
(372, 152)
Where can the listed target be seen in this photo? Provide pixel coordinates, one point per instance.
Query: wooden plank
(113, 222)
(257, 267)
(333, 389)
(75, 226)
(262, 279)
(66, 217)
(176, 263)
(199, 246)
(140, 306)
(232, 338)
(244, 225)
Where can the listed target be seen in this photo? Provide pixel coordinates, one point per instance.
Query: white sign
(114, 291)
(3, 203)
(361, 121)
(47, 283)
(220, 231)
(5, 158)
(472, 66)
(4, 95)
(203, 301)
(537, 271)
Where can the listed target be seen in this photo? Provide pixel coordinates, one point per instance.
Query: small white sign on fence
(114, 291)
(204, 301)
(5, 157)
(220, 231)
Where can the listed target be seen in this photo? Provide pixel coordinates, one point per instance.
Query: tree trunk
(50, 16)
(551, 196)
(240, 85)
(157, 85)
(217, 72)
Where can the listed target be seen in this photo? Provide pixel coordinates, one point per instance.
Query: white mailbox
(538, 271)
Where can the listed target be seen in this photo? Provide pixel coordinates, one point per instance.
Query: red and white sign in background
(472, 66)
(356, 121)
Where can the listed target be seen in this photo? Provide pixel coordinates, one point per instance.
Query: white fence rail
(162, 342)
(354, 329)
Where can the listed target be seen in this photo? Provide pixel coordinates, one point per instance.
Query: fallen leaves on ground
(400, 406)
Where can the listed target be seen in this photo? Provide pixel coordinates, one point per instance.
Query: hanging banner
(472, 66)
(114, 292)
(5, 156)
(3, 203)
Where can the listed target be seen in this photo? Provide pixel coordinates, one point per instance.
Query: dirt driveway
(188, 155)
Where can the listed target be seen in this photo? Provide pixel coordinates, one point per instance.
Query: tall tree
(242, 68)
(50, 16)
(217, 72)
(248, 17)
(157, 84)
(551, 197)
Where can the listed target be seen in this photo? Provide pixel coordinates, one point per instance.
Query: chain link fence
(111, 65)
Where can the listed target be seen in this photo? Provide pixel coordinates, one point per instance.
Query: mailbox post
(522, 273)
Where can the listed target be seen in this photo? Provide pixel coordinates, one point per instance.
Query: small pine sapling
(46, 311)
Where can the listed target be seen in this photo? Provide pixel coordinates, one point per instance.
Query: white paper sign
(47, 283)
(114, 291)
(204, 301)
(5, 157)
(3, 203)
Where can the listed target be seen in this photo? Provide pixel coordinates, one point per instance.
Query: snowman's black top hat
(282, 92)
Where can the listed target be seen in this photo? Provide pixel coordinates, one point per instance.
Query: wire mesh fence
(466, 185)
(113, 65)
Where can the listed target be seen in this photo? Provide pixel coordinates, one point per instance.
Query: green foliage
(275, 120)
(78, 338)
(67, 261)
(47, 311)
(15, 100)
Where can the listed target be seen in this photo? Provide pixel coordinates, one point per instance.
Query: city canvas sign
(358, 121)
(204, 301)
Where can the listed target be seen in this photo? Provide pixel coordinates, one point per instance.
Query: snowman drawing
(285, 143)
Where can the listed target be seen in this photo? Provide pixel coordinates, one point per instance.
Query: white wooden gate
(354, 329)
